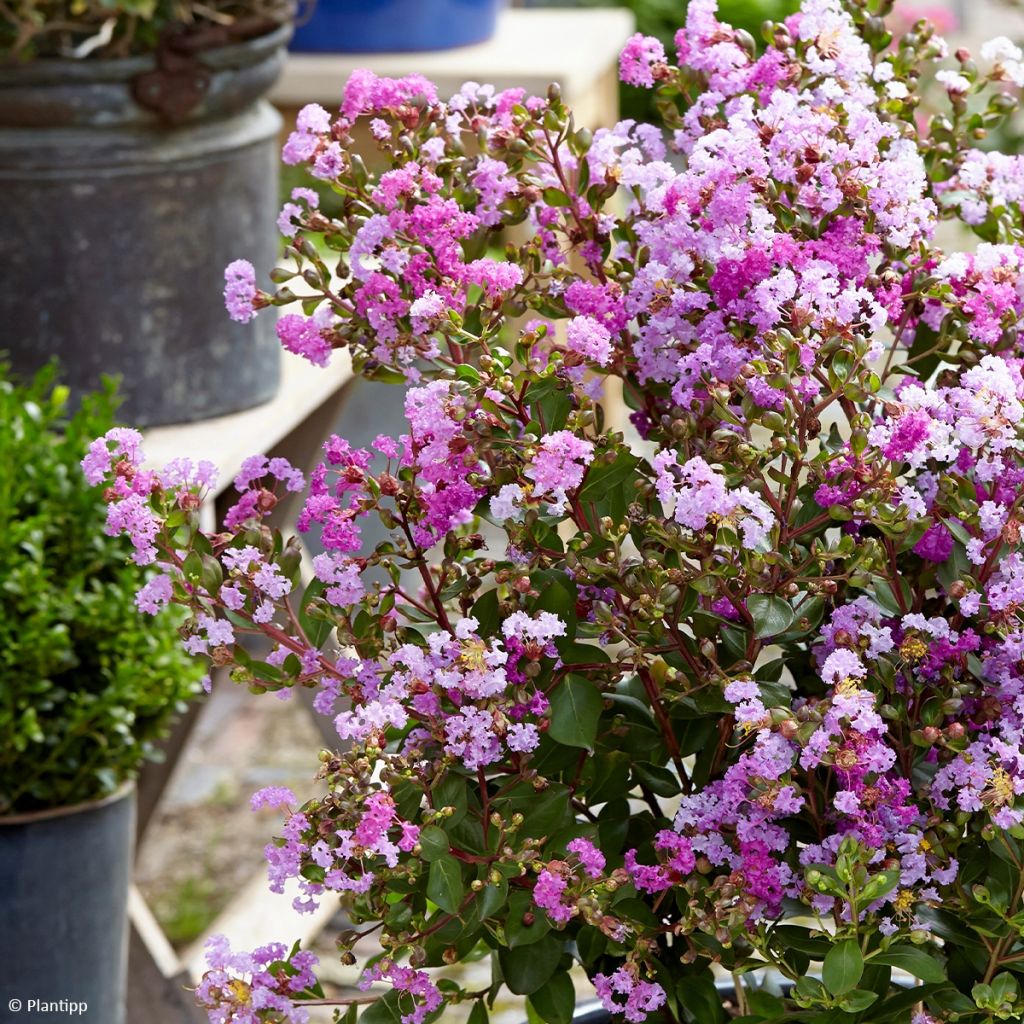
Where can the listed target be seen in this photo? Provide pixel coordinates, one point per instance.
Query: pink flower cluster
(243, 988)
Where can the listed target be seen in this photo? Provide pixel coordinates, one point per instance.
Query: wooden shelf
(227, 441)
(577, 48)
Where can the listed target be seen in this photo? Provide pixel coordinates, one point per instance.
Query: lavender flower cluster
(739, 682)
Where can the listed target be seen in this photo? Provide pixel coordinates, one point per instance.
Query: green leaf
(879, 885)
(316, 627)
(451, 792)
(1004, 987)
(603, 478)
(486, 903)
(192, 567)
(555, 1000)
(857, 1000)
(914, 961)
(657, 779)
(550, 399)
(895, 1007)
(772, 615)
(572, 652)
(444, 884)
(590, 943)
(575, 710)
(555, 197)
(485, 611)
(545, 812)
(479, 1014)
(517, 932)
(764, 1003)
(527, 968)
(843, 967)
(434, 843)
(607, 776)
(558, 595)
(384, 1011)
(698, 994)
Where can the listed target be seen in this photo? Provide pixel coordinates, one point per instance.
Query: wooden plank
(256, 916)
(227, 441)
(156, 775)
(158, 985)
(530, 50)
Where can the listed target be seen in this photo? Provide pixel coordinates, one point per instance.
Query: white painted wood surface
(577, 48)
(228, 440)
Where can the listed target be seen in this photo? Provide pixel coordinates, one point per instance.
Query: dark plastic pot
(116, 224)
(63, 906)
(389, 26)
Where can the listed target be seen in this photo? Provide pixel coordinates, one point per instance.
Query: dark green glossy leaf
(857, 1000)
(434, 843)
(479, 1014)
(316, 626)
(526, 923)
(546, 812)
(527, 968)
(772, 615)
(575, 710)
(385, 1010)
(444, 884)
(657, 779)
(702, 1001)
(914, 961)
(843, 967)
(555, 1000)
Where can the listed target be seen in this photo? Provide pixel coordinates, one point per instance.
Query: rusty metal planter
(116, 225)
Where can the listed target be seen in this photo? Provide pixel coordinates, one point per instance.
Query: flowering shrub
(737, 683)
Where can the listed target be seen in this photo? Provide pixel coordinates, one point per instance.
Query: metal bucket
(64, 878)
(115, 227)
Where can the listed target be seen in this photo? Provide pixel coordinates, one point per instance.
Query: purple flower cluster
(243, 988)
(423, 993)
(623, 992)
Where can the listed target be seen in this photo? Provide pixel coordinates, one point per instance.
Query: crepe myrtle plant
(735, 686)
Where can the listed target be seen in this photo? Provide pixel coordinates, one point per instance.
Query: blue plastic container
(389, 26)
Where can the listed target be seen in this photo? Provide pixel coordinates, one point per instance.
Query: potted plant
(134, 143)
(731, 690)
(88, 689)
(393, 26)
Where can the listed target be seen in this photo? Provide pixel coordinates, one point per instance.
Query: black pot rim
(30, 817)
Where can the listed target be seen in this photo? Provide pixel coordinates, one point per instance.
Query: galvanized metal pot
(127, 186)
(64, 877)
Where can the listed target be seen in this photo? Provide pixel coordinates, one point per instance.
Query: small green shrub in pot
(88, 685)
